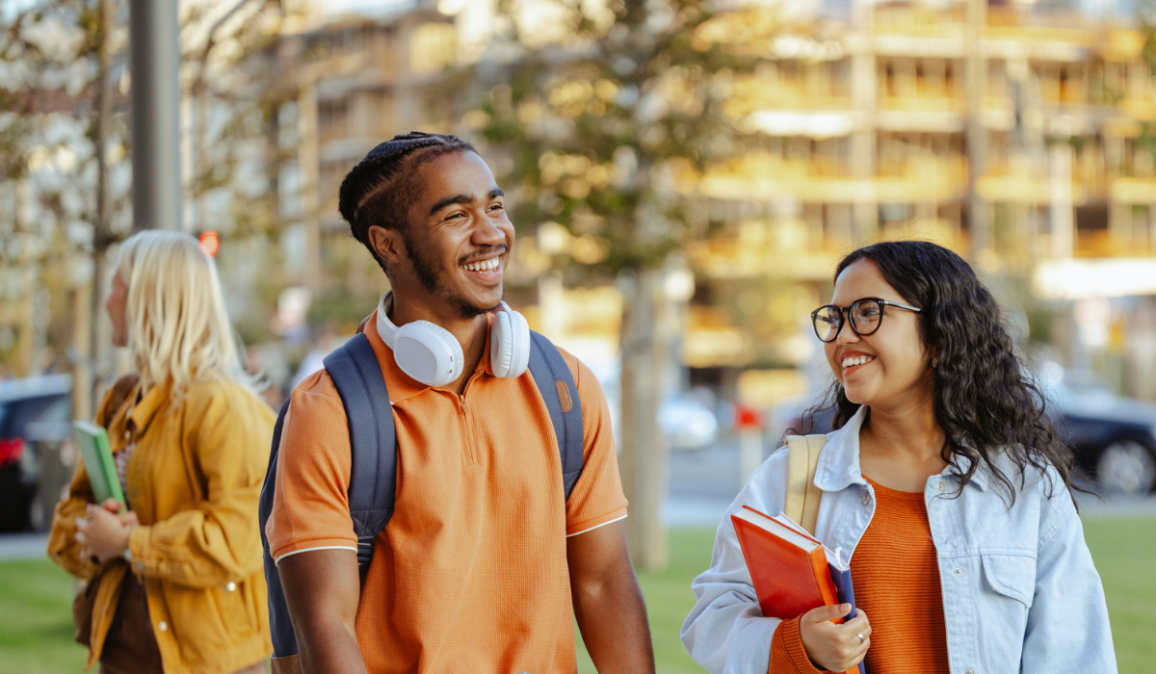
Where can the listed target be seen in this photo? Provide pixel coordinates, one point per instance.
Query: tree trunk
(643, 457)
(84, 405)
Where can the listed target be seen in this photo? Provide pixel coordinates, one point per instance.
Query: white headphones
(430, 354)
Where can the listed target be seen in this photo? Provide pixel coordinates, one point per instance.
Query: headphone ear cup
(428, 353)
(501, 344)
(519, 338)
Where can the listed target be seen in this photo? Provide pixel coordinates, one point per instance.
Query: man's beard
(429, 279)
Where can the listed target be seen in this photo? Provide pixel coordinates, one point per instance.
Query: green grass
(36, 609)
(36, 597)
(1124, 550)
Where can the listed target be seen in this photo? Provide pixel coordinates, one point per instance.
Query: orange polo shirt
(470, 574)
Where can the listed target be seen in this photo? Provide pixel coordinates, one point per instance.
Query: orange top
(896, 578)
(470, 574)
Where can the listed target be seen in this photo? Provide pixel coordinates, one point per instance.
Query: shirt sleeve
(311, 501)
(597, 498)
(788, 655)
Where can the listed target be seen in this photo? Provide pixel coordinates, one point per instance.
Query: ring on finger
(861, 637)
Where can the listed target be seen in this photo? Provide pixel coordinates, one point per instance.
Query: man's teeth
(857, 360)
(484, 265)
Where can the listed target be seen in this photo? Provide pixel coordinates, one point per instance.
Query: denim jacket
(1020, 592)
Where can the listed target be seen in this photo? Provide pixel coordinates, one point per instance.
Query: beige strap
(802, 503)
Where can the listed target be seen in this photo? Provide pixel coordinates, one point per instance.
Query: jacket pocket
(1012, 576)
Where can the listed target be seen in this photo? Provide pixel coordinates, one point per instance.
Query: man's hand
(607, 602)
(322, 589)
(834, 647)
(105, 533)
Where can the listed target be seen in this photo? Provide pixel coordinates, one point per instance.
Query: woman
(175, 583)
(946, 482)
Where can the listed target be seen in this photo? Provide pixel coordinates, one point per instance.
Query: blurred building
(1013, 133)
(872, 128)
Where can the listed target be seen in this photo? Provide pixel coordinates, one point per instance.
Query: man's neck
(470, 332)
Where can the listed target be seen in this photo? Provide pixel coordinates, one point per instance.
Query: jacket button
(957, 572)
(163, 626)
(865, 498)
(939, 485)
(970, 671)
(231, 587)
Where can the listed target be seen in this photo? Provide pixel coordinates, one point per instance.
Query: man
(485, 559)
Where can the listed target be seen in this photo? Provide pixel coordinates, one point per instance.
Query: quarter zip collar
(399, 384)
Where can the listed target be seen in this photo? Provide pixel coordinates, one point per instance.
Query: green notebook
(94, 449)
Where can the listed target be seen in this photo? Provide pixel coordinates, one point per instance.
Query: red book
(789, 568)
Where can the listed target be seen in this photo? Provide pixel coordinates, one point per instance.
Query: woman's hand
(104, 535)
(834, 647)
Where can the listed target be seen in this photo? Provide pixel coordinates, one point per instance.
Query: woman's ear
(389, 244)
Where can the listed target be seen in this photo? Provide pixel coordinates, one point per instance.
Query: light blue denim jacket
(1020, 592)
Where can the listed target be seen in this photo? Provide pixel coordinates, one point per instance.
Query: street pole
(979, 224)
(154, 43)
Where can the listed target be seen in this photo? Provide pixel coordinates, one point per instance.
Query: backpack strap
(556, 384)
(372, 440)
(280, 627)
(802, 495)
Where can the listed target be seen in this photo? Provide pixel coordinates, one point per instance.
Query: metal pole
(154, 40)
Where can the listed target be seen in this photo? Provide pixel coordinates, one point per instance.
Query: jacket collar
(153, 401)
(838, 465)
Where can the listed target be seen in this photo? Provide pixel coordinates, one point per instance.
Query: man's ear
(388, 244)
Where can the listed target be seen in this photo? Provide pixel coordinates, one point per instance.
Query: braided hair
(383, 186)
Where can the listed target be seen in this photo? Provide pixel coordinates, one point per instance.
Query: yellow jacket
(194, 481)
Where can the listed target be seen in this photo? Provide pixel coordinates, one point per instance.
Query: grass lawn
(35, 602)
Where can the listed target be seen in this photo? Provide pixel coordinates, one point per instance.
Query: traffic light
(210, 243)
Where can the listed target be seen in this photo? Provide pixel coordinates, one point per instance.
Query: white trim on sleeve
(597, 526)
(323, 547)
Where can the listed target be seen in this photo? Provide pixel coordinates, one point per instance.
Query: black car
(35, 416)
(1114, 437)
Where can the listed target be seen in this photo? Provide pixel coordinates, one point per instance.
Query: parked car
(1114, 437)
(35, 416)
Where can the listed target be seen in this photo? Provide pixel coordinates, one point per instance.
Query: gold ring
(861, 637)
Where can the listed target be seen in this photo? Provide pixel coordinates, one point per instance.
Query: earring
(934, 362)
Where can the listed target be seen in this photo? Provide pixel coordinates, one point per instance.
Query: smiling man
(486, 559)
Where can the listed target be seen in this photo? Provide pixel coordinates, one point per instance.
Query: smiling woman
(945, 482)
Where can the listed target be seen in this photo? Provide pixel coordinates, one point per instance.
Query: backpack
(803, 496)
(373, 445)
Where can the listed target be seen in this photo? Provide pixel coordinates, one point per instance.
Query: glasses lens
(865, 316)
(827, 323)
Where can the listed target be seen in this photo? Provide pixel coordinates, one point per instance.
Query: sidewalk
(23, 546)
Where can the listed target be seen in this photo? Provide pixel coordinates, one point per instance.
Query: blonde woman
(175, 582)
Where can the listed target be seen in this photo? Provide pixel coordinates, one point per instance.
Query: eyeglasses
(866, 316)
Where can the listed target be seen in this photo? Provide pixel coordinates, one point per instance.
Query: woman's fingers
(826, 613)
(112, 505)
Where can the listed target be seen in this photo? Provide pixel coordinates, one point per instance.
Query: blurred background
(684, 176)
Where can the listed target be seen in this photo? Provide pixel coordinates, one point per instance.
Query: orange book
(788, 568)
(791, 570)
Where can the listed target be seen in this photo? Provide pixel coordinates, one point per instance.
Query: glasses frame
(844, 313)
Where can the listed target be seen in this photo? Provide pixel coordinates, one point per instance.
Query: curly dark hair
(380, 189)
(984, 401)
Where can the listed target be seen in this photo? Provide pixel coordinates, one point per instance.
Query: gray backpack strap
(372, 439)
(280, 627)
(556, 384)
